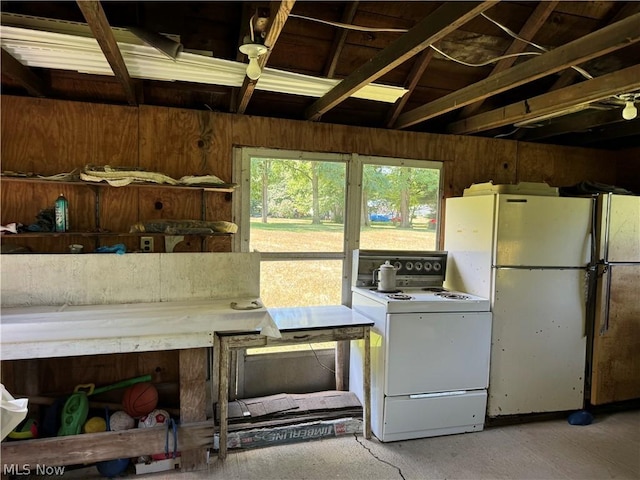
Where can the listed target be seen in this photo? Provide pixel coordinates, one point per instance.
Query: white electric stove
(429, 348)
(424, 300)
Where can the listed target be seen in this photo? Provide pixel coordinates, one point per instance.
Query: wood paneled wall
(629, 170)
(51, 136)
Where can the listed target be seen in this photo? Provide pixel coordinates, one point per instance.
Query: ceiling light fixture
(253, 51)
(629, 112)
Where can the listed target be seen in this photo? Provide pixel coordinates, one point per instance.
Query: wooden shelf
(108, 234)
(222, 188)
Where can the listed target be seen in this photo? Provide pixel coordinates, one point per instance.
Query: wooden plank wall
(629, 170)
(52, 136)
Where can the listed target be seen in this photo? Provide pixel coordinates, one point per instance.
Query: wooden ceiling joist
(598, 43)
(527, 32)
(282, 10)
(584, 120)
(569, 76)
(627, 128)
(447, 18)
(339, 39)
(23, 75)
(413, 78)
(589, 91)
(99, 25)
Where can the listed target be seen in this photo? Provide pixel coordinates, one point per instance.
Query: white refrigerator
(529, 255)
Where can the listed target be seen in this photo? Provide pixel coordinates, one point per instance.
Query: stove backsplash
(413, 268)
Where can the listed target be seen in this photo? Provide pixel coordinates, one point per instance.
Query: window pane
(297, 206)
(300, 283)
(399, 208)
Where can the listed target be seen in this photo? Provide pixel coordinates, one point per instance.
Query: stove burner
(399, 296)
(452, 296)
(434, 289)
(386, 291)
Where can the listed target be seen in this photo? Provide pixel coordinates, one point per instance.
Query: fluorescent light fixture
(42, 47)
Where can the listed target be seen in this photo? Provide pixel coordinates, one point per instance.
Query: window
(306, 212)
(399, 205)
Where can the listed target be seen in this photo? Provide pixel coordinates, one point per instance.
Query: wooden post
(342, 356)
(193, 399)
(223, 397)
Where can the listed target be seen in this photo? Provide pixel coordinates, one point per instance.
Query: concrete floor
(608, 448)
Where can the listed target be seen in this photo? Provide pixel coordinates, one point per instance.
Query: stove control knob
(418, 266)
(397, 265)
(427, 266)
(437, 267)
(409, 265)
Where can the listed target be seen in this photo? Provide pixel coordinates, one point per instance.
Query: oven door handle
(438, 394)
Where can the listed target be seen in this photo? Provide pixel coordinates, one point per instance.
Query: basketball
(140, 399)
(121, 421)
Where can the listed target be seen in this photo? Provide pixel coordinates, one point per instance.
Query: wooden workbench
(297, 325)
(187, 326)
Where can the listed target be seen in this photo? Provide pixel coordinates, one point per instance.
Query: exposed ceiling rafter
(420, 65)
(629, 128)
(339, 39)
(280, 13)
(99, 25)
(445, 19)
(527, 32)
(569, 76)
(599, 88)
(23, 75)
(598, 43)
(584, 120)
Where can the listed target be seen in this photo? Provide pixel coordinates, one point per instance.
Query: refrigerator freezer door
(538, 341)
(543, 231)
(437, 352)
(615, 369)
(619, 221)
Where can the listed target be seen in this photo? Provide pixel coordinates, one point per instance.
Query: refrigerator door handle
(603, 270)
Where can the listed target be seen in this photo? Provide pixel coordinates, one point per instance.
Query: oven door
(437, 352)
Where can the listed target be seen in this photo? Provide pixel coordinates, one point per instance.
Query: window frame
(354, 165)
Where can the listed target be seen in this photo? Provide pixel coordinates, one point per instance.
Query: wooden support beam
(598, 43)
(193, 408)
(282, 9)
(605, 133)
(527, 32)
(582, 93)
(99, 25)
(444, 20)
(571, 123)
(413, 78)
(569, 76)
(339, 39)
(12, 68)
(95, 447)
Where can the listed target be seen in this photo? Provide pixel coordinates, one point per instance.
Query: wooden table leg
(367, 383)
(193, 401)
(342, 357)
(223, 397)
